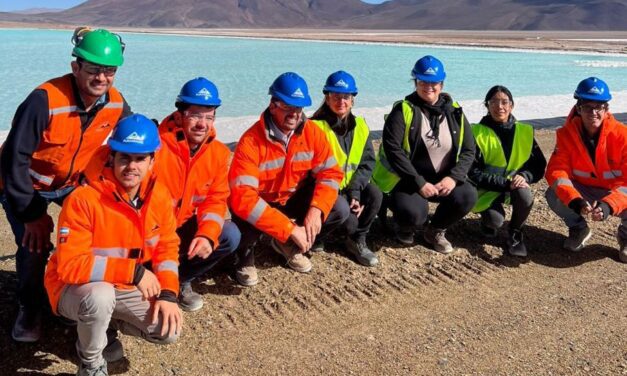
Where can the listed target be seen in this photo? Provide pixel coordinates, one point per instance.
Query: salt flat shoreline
(603, 42)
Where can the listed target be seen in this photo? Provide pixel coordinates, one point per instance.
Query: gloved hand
(580, 206)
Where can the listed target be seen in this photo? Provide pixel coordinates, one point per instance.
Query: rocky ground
(475, 312)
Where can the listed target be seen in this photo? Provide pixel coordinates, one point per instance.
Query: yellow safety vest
(348, 163)
(384, 175)
(494, 157)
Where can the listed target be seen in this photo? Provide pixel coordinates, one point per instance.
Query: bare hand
(37, 233)
(201, 247)
(597, 212)
(313, 223)
(428, 190)
(171, 316)
(149, 285)
(299, 237)
(355, 207)
(586, 209)
(518, 181)
(445, 186)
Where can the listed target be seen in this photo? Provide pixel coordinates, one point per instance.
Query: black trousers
(410, 209)
(522, 202)
(357, 228)
(296, 208)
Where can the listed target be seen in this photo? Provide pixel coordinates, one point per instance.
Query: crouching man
(116, 264)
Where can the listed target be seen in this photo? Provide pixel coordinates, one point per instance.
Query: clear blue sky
(13, 5)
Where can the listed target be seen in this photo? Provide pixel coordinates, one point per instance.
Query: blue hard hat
(428, 69)
(291, 89)
(199, 91)
(135, 134)
(340, 82)
(593, 89)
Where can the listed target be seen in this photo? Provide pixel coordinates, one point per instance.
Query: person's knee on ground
(492, 218)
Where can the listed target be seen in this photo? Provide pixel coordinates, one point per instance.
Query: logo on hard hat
(135, 138)
(204, 93)
(342, 84)
(298, 94)
(595, 90)
(430, 71)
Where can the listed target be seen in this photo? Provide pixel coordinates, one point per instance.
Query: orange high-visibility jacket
(198, 185)
(262, 171)
(65, 149)
(570, 162)
(101, 237)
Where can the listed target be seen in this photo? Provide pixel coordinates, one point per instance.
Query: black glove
(578, 204)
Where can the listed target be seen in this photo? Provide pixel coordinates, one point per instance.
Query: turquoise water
(157, 65)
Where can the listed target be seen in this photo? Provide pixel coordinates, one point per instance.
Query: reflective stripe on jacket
(101, 237)
(65, 148)
(384, 175)
(198, 184)
(570, 162)
(494, 157)
(263, 171)
(350, 163)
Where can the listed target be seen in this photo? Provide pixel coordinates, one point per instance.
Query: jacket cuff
(139, 273)
(167, 296)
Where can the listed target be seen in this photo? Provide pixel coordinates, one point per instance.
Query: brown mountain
(396, 14)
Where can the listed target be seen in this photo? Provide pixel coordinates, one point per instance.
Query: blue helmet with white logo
(291, 89)
(340, 82)
(135, 134)
(199, 91)
(593, 89)
(428, 69)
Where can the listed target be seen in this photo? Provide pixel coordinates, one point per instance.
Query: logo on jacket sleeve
(298, 94)
(204, 93)
(135, 138)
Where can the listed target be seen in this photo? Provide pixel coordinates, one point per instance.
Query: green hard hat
(99, 47)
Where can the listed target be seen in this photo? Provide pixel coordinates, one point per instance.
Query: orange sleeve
(77, 263)
(245, 200)
(559, 169)
(327, 173)
(617, 199)
(165, 258)
(212, 210)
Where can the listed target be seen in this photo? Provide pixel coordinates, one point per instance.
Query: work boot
(437, 238)
(100, 370)
(405, 235)
(246, 273)
(515, 244)
(27, 327)
(189, 300)
(577, 238)
(295, 260)
(489, 232)
(318, 246)
(114, 350)
(622, 250)
(362, 253)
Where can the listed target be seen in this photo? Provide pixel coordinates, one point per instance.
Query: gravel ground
(475, 312)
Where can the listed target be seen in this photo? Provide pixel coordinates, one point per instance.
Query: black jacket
(532, 170)
(416, 169)
(29, 123)
(345, 132)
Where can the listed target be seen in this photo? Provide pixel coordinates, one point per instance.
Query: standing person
(54, 133)
(426, 152)
(194, 165)
(116, 263)
(284, 181)
(587, 172)
(351, 144)
(507, 161)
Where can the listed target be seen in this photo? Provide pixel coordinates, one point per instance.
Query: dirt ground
(475, 312)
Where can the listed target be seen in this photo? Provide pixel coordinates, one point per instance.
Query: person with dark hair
(351, 143)
(284, 181)
(54, 134)
(587, 172)
(507, 161)
(193, 164)
(425, 155)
